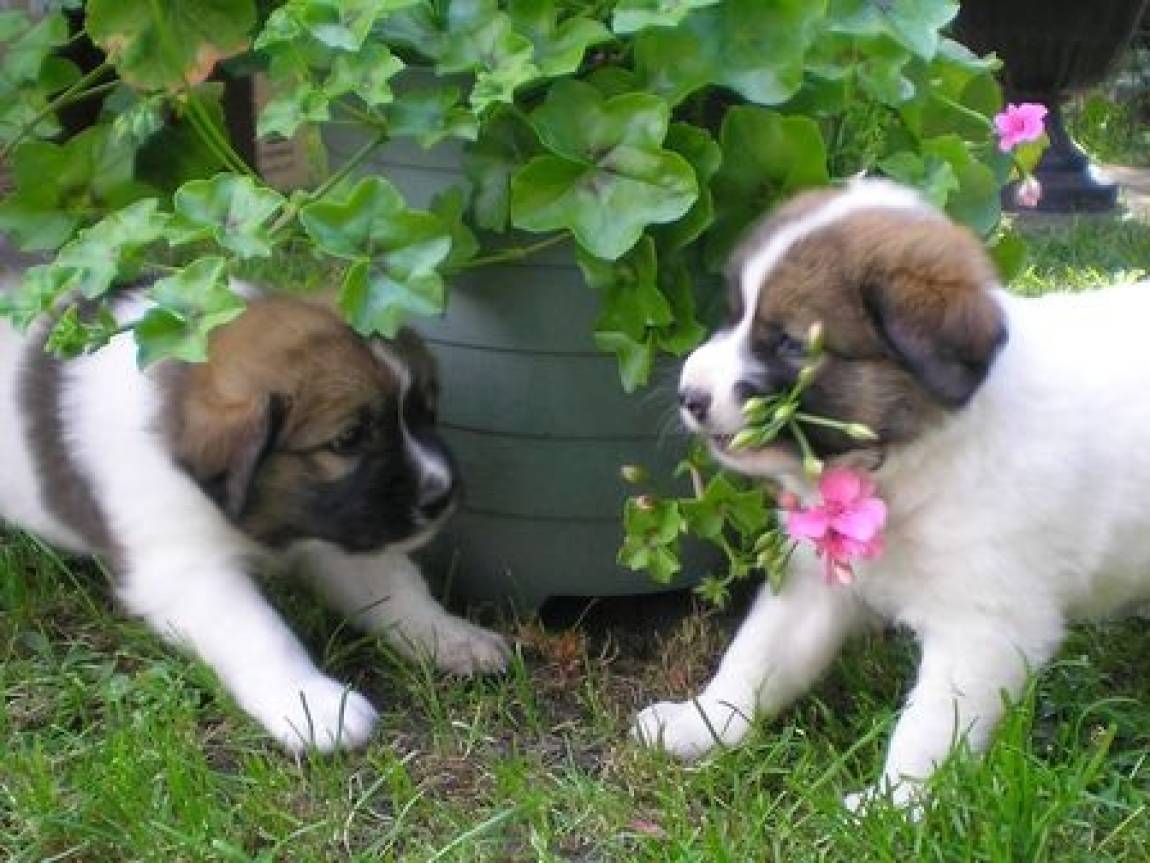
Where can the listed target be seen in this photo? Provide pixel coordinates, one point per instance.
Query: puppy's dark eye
(777, 344)
(789, 348)
(350, 441)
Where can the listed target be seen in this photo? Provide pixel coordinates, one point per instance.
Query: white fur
(184, 568)
(1025, 510)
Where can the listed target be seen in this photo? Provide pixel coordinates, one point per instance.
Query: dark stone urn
(1051, 49)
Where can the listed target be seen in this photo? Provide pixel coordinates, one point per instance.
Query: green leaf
(24, 105)
(39, 290)
(431, 114)
(631, 299)
(704, 155)
(633, 309)
(404, 248)
(177, 153)
(610, 177)
(505, 144)
(635, 357)
(28, 44)
(558, 46)
(933, 175)
(714, 590)
(75, 333)
(975, 201)
(1009, 252)
(684, 331)
(59, 186)
(663, 565)
(449, 206)
(671, 63)
(480, 38)
(169, 45)
(136, 117)
(366, 73)
(755, 48)
(291, 108)
(958, 96)
(652, 529)
(880, 71)
(632, 15)
(189, 305)
(228, 208)
(374, 300)
(916, 23)
(107, 250)
(766, 157)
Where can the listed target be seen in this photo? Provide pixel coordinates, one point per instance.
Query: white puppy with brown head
(1011, 454)
(297, 439)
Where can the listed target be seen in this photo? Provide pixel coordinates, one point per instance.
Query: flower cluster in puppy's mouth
(846, 524)
(768, 416)
(735, 513)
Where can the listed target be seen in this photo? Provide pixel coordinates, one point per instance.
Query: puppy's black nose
(695, 402)
(435, 497)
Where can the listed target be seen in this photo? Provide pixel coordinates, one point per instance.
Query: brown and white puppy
(1011, 454)
(296, 440)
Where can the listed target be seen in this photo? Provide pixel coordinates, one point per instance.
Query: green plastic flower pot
(535, 416)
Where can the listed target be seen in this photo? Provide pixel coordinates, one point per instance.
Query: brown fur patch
(761, 233)
(910, 327)
(287, 376)
(65, 491)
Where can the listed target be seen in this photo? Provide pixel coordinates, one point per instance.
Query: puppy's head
(903, 295)
(301, 429)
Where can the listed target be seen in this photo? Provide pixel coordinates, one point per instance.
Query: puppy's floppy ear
(946, 335)
(222, 445)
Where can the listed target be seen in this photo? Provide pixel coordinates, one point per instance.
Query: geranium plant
(649, 132)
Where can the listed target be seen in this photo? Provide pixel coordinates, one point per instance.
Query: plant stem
(215, 140)
(66, 97)
(514, 254)
(292, 208)
(811, 419)
(804, 444)
(350, 165)
(364, 117)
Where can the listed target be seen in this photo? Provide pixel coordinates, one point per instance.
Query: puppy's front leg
(783, 646)
(385, 593)
(211, 606)
(967, 672)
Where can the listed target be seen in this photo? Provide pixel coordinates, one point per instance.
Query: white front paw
(466, 649)
(314, 712)
(690, 729)
(907, 795)
(455, 645)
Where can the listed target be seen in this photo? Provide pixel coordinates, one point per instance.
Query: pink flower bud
(1028, 193)
(788, 500)
(645, 502)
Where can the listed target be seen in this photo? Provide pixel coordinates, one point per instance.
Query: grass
(116, 748)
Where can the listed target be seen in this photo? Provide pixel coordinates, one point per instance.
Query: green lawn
(115, 748)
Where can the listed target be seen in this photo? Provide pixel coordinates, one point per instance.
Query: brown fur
(910, 326)
(65, 491)
(281, 381)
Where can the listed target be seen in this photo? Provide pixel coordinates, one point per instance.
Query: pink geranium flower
(1019, 123)
(845, 526)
